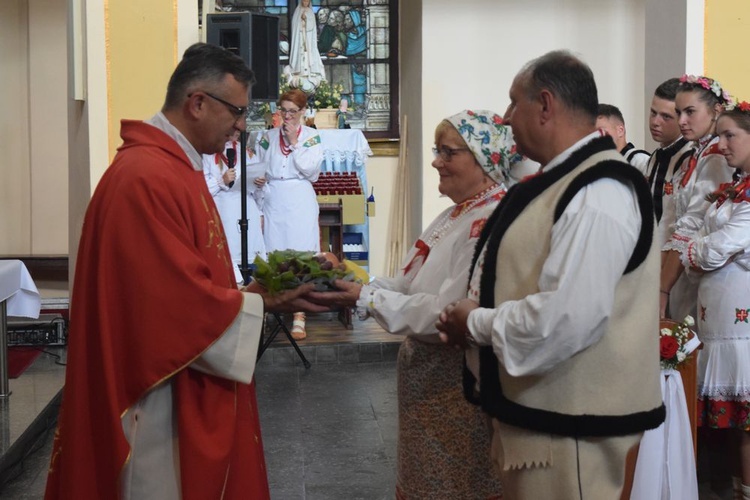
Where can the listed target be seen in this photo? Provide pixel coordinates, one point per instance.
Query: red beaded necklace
(286, 150)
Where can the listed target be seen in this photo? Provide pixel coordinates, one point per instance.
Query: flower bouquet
(326, 96)
(676, 342)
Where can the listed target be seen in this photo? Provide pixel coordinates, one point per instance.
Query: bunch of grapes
(287, 269)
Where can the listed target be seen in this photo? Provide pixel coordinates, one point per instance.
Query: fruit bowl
(288, 269)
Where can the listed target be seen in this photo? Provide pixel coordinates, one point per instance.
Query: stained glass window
(357, 44)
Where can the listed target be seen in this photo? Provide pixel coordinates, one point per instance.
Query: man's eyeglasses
(445, 153)
(289, 112)
(237, 111)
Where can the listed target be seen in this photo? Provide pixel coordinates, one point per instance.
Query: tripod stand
(281, 327)
(245, 267)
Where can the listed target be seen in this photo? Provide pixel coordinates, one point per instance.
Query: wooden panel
(44, 267)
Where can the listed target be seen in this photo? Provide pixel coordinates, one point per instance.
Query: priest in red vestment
(158, 400)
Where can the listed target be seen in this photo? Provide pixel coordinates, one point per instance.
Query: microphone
(231, 159)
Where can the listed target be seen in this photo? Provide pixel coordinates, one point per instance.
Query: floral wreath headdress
(741, 106)
(712, 86)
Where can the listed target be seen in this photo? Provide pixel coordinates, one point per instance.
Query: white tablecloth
(665, 469)
(18, 290)
(344, 150)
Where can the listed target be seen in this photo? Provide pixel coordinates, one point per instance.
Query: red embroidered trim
(689, 172)
(476, 227)
(422, 251)
(680, 237)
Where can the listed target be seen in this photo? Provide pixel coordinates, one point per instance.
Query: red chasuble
(153, 289)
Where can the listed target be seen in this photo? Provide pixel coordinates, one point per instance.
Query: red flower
(495, 158)
(668, 347)
(497, 120)
(742, 415)
(744, 106)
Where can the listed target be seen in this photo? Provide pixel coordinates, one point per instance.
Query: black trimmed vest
(662, 167)
(611, 388)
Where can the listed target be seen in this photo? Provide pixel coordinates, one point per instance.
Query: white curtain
(398, 244)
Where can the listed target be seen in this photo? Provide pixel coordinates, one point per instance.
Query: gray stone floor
(329, 433)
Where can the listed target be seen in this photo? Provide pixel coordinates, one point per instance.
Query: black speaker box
(255, 38)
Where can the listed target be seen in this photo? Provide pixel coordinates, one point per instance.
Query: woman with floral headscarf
(698, 102)
(443, 443)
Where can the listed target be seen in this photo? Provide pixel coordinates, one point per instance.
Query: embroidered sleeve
(366, 302)
(713, 250)
(308, 157)
(263, 143)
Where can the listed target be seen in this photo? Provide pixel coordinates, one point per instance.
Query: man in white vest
(563, 349)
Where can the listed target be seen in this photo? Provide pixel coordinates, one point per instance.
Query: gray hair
(567, 77)
(204, 65)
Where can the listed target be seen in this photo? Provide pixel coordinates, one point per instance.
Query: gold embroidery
(216, 237)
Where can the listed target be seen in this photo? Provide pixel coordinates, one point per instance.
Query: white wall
(497, 37)
(33, 127)
(15, 175)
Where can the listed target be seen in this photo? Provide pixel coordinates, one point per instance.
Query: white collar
(566, 154)
(162, 123)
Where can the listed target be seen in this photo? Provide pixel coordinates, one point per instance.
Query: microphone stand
(244, 266)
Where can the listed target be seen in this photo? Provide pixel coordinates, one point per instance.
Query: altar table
(18, 297)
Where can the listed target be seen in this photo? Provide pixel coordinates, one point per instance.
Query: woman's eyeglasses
(445, 153)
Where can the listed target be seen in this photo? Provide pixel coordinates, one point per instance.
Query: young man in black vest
(665, 161)
(566, 277)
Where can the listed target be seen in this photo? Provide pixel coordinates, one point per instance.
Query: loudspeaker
(255, 38)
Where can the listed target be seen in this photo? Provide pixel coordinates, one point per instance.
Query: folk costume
(443, 446)
(696, 179)
(569, 374)
(662, 168)
(228, 201)
(636, 157)
(290, 207)
(157, 401)
(721, 251)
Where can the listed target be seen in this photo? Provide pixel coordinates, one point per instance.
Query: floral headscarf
(489, 140)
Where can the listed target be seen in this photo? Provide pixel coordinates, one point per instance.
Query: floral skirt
(443, 441)
(724, 414)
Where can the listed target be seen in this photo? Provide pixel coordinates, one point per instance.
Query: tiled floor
(331, 428)
(329, 432)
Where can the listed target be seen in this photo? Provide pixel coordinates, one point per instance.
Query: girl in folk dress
(224, 185)
(292, 155)
(720, 255)
(443, 441)
(699, 102)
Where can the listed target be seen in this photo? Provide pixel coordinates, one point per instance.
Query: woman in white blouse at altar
(292, 155)
(224, 185)
(443, 441)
